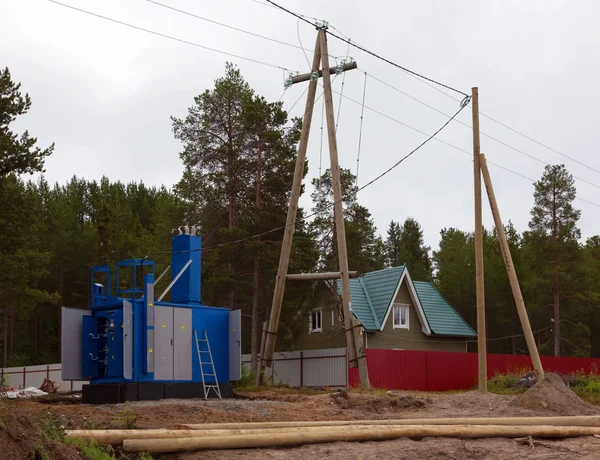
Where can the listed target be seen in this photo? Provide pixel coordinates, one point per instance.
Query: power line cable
(362, 48)
(337, 118)
(212, 21)
(395, 120)
(481, 132)
(353, 193)
(170, 37)
(504, 125)
(362, 113)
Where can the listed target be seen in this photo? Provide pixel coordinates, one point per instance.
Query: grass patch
(90, 450)
(126, 418)
(504, 384)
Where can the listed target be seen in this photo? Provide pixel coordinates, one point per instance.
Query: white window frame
(310, 321)
(402, 307)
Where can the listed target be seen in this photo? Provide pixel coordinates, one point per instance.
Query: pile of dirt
(373, 403)
(22, 437)
(553, 395)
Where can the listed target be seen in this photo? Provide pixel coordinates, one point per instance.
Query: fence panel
(443, 371)
(394, 369)
(324, 368)
(33, 376)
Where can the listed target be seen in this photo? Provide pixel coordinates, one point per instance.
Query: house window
(316, 321)
(400, 316)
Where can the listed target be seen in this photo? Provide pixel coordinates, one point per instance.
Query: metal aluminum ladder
(206, 352)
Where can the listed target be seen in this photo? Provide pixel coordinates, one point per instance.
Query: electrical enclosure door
(127, 339)
(89, 346)
(70, 351)
(163, 343)
(235, 345)
(182, 343)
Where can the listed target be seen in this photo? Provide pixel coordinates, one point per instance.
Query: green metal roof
(373, 293)
(442, 318)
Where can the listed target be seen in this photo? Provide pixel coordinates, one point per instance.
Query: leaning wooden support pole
(356, 352)
(286, 246)
(583, 420)
(512, 274)
(479, 279)
(369, 433)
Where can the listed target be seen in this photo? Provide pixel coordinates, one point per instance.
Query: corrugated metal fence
(309, 368)
(33, 376)
(443, 371)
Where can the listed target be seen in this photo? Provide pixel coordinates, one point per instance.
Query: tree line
(238, 152)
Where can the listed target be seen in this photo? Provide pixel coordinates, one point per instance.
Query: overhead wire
(237, 29)
(481, 132)
(428, 81)
(170, 37)
(365, 50)
(362, 113)
(353, 193)
(337, 118)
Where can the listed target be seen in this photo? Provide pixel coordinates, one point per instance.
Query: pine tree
(18, 155)
(554, 217)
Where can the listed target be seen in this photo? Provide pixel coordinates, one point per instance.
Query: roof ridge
(383, 270)
(368, 297)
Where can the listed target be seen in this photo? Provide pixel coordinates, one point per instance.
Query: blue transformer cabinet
(131, 345)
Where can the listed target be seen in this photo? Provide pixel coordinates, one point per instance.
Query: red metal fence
(442, 371)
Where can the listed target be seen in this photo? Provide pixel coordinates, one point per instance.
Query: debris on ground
(553, 395)
(29, 392)
(49, 386)
(527, 381)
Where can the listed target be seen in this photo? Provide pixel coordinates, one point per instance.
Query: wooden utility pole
(479, 281)
(286, 247)
(510, 269)
(352, 332)
(356, 353)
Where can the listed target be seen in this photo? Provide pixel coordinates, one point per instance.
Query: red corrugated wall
(442, 371)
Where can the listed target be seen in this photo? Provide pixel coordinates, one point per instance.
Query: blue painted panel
(216, 323)
(115, 344)
(187, 287)
(89, 346)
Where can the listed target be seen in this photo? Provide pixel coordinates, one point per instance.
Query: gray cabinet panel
(182, 343)
(235, 345)
(127, 339)
(70, 352)
(150, 350)
(163, 343)
(150, 304)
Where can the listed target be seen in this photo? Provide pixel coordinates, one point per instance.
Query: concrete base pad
(113, 393)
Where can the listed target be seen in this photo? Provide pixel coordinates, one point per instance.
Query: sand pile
(553, 395)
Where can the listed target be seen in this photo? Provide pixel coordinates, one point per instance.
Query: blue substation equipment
(131, 345)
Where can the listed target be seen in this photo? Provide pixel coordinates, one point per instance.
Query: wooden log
(367, 433)
(584, 420)
(319, 276)
(116, 437)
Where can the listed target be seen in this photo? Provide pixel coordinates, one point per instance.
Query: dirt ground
(287, 405)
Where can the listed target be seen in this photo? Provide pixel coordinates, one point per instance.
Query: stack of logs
(190, 437)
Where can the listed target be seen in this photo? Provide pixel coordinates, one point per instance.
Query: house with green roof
(396, 313)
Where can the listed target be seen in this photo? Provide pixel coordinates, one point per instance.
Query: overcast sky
(104, 92)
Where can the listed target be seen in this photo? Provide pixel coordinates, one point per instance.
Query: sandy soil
(552, 399)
